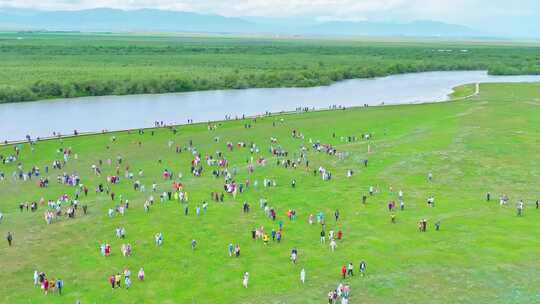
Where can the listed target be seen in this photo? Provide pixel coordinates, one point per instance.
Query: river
(93, 114)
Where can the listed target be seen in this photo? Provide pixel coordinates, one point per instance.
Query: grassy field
(55, 65)
(483, 253)
(463, 91)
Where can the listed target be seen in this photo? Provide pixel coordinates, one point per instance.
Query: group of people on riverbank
(232, 187)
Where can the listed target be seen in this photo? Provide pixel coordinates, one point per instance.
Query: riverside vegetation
(60, 65)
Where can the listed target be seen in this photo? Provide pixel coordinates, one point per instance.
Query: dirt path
(476, 92)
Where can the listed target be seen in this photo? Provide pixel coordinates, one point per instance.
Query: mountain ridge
(116, 20)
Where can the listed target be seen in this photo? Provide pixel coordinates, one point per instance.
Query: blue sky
(517, 17)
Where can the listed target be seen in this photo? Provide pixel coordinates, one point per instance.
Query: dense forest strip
(38, 66)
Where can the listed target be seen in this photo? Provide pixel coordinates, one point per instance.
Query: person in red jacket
(112, 281)
(344, 271)
(46, 286)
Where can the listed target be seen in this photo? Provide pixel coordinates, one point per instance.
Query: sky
(493, 16)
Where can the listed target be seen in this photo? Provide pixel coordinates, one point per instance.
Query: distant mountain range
(151, 20)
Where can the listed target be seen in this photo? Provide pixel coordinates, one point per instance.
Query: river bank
(94, 114)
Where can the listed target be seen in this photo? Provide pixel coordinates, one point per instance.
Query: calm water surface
(93, 114)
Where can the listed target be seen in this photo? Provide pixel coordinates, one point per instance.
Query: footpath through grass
(483, 252)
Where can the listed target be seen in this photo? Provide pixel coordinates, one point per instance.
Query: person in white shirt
(333, 245)
(245, 280)
(36, 278)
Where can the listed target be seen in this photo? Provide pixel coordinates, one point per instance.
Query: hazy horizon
(493, 17)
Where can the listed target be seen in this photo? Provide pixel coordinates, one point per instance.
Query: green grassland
(483, 253)
(463, 91)
(56, 65)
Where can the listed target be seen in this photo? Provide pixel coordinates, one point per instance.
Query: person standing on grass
(294, 255)
(45, 286)
(237, 250)
(431, 201)
(424, 225)
(127, 273)
(488, 197)
(330, 297)
(9, 238)
(158, 238)
(363, 268)
(350, 270)
(333, 245)
(59, 285)
(117, 280)
(193, 244)
(140, 275)
(41, 278)
(344, 271)
(303, 275)
(127, 282)
(231, 249)
(112, 281)
(537, 204)
(245, 281)
(520, 207)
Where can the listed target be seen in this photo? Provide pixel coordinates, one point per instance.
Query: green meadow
(483, 252)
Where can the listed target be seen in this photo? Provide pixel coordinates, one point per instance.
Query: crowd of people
(171, 188)
(115, 280)
(48, 285)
